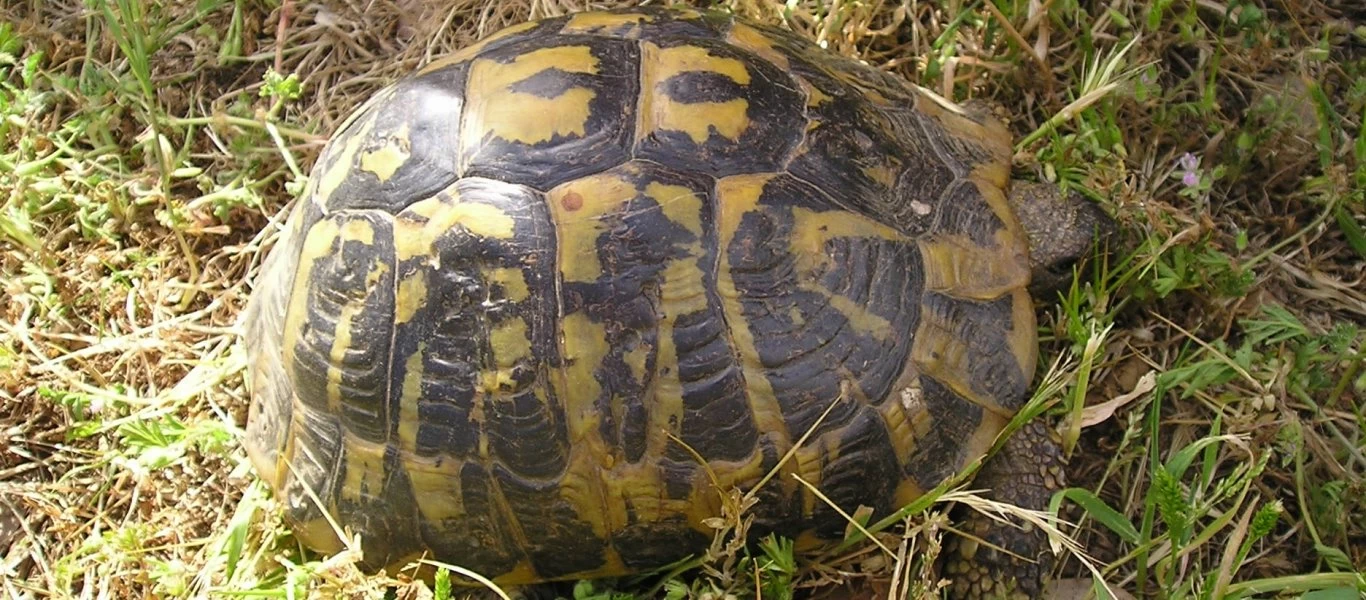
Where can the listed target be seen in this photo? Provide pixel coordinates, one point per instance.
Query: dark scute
(386, 518)
(636, 247)
(336, 280)
(964, 211)
(716, 415)
(670, 24)
(527, 435)
(532, 248)
(633, 252)
(764, 146)
(552, 83)
(702, 86)
(678, 476)
(777, 511)
(800, 364)
(635, 420)
(865, 473)
(558, 541)
(444, 424)
(962, 152)
(985, 327)
(649, 545)
(926, 174)
(429, 105)
(854, 135)
(625, 300)
(887, 279)
(940, 453)
(453, 338)
(703, 347)
(480, 539)
(542, 29)
(311, 359)
(622, 404)
(453, 324)
(316, 471)
(805, 56)
(807, 346)
(607, 134)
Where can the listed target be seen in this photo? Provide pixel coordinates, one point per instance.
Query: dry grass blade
(845, 515)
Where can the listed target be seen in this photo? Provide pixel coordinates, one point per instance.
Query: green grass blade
(1098, 510)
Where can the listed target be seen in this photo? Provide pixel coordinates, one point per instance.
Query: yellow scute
(512, 280)
(414, 239)
(358, 230)
(494, 108)
(364, 469)
(412, 294)
(510, 342)
(684, 290)
(657, 111)
(812, 230)
(860, 318)
(584, 344)
(939, 350)
(577, 209)
(384, 161)
(814, 95)
(679, 203)
(956, 265)
(755, 41)
(683, 59)
(735, 196)
(589, 22)
(729, 119)
(411, 393)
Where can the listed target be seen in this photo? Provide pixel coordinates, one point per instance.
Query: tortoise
(545, 299)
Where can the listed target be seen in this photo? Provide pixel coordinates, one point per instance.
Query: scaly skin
(1025, 472)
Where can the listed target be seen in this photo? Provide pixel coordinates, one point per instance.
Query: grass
(1207, 376)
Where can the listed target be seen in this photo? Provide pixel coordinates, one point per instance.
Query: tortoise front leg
(1025, 472)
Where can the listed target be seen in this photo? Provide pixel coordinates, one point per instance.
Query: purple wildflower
(1190, 165)
(1189, 162)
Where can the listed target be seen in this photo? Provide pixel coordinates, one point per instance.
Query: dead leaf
(1078, 589)
(1099, 413)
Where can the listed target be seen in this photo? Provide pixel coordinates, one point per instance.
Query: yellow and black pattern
(394, 157)
(707, 106)
(816, 295)
(533, 284)
(582, 101)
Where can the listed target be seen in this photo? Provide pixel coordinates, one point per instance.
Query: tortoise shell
(546, 295)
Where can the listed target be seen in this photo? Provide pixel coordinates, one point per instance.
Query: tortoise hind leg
(1025, 473)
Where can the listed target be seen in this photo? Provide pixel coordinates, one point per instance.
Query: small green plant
(587, 590)
(774, 569)
(158, 442)
(442, 584)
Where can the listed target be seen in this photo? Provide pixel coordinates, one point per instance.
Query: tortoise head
(1062, 227)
